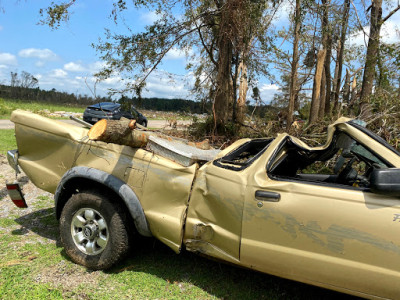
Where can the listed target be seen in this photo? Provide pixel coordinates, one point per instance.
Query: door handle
(267, 196)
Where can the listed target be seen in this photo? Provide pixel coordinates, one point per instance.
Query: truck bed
(49, 148)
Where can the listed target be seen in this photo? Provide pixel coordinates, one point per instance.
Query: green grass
(8, 105)
(7, 140)
(34, 265)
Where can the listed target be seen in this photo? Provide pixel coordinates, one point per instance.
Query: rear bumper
(12, 157)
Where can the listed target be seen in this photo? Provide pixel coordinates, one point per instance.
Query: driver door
(332, 235)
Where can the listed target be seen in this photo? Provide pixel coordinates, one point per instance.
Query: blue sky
(63, 58)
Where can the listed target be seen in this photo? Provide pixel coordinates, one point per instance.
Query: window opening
(244, 155)
(345, 161)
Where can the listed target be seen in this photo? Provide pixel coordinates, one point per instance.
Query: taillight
(15, 193)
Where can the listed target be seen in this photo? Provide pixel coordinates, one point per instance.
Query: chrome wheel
(89, 231)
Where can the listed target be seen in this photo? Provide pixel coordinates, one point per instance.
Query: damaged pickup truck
(259, 203)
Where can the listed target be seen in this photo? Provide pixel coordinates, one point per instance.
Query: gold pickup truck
(327, 216)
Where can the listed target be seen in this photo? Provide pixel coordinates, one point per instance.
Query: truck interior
(243, 156)
(345, 161)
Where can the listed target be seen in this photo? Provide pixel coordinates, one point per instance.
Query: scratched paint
(333, 238)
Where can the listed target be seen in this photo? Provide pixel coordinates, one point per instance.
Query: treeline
(190, 106)
(53, 96)
(47, 96)
(175, 105)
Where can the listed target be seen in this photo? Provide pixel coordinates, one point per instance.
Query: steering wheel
(348, 175)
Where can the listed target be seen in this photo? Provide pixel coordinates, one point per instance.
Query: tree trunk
(118, 132)
(243, 87)
(322, 99)
(319, 87)
(336, 74)
(346, 88)
(353, 93)
(315, 100)
(223, 104)
(235, 85)
(372, 54)
(345, 21)
(293, 90)
(328, 80)
(326, 43)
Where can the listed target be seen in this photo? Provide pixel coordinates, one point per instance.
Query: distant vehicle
(111, 111)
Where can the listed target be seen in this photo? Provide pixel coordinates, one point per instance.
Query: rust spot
(203, 232)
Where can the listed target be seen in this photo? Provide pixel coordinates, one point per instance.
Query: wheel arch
(84, 178)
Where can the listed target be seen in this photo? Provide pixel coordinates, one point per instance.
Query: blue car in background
(112, 111)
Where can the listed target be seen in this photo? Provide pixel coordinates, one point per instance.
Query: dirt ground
(34, 229)
(31, 192)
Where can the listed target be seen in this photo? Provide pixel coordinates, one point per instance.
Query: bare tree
(340, 53)
(28, 81)
(293, 89)
(376, 22)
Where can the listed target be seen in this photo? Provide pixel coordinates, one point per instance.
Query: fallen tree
(122, 132)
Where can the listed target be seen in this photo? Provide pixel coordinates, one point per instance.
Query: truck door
(214, 220)
(318, 229)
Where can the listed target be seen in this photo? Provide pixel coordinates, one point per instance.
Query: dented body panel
(256, 204)
(48, 149)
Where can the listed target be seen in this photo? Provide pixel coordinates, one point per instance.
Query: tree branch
(209, 51)
(390, 14)
(359, 22)
(162, 54)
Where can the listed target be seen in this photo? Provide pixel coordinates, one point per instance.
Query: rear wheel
(93, 230)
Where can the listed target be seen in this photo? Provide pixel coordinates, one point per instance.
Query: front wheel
(93, 231)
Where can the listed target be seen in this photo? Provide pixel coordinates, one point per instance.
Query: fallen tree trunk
(120, 132)
(124, 132)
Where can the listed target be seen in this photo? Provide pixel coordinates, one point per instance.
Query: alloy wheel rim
(89, 231)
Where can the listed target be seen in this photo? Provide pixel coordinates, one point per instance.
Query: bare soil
(31, 225)
(31, 192)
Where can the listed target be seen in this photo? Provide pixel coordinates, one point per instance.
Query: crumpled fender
(113, 183)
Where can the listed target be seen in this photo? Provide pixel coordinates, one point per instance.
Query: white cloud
(112, 81)
(171, 86)
(390, 31)
(282, 17)
(389, 34)
(74, 67)
(3, 67)
(42, 54)
(176, 53)
(96, 66)
(1, 28)
(358, 38)
(159, 83)
(8, 59)
(267, 92)
(58, 73)
(40, 63)
(150, 17)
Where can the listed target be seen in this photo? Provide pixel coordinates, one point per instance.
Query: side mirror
(385, 182)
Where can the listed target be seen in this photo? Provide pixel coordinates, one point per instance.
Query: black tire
(106, 244)
(144, 123)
